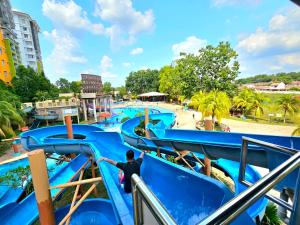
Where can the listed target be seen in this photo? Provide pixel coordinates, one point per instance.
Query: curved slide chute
(188, 197)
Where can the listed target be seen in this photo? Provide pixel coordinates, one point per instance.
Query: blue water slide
(187, 196)
(26, 211)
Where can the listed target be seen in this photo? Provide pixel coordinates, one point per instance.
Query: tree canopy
(142, 81)
(279, 77)
(107, 88)
(27, 83)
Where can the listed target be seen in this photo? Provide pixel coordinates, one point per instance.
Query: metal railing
(232, 209)
(147, 208)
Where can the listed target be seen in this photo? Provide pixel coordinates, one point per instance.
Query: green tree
(296, 132)
(244, 100)
(257, 104)
(218, 68)
(107, 88)
(75, 87)
(215, 104)
(169, 82)
(197, 99)
(63, 85)
(142, 81)
(27, 82)
(187, 69)
(9, 119)
(41, 96)
(288, 104)
(122, 91)
(7, 95)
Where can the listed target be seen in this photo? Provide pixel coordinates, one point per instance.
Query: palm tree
(296, 132)
(215, 104)
(257, 104)
(288, 104)
(9, 117)
(197, 99)
(244, 100)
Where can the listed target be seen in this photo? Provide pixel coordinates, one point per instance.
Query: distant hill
(279, 77)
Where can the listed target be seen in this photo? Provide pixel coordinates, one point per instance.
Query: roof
(152, 94)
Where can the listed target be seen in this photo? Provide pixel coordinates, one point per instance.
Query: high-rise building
(91, 83)
(27, 31)
(10, 55)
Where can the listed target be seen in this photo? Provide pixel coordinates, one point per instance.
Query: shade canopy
(152, 94)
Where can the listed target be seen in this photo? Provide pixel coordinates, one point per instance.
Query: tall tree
(257, 104)
(107, 88)
(64, 85)
(244, 100)
(169, 82)
(288, 104)
(75, 87)
(27, 82)
(218, 68)
(142, 81)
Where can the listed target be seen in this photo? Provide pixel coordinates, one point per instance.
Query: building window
(24, 28)
(26, 35)
(5, 73)
(3, 62)
(28, 42)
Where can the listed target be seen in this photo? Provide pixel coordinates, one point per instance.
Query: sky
(114, 37)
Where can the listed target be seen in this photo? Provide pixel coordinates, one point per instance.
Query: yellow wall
(5, 73)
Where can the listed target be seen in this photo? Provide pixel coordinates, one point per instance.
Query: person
(127, 169)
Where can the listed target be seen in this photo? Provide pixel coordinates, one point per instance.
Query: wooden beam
(198, 160)
(93, 175)
(72, 178)
(72, 210)
(59, 159)
(14, 159)
(183, 159)
(75, 196)
(70, 184)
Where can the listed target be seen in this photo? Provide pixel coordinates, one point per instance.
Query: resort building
(27, 31)
(91, 83)
(10, 53)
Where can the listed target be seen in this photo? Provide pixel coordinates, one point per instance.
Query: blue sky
(113, 37)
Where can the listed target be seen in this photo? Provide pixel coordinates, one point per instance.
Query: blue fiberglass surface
(26, 212)
(91, 211)
(187, 203)
(171, 183)
(8, 194)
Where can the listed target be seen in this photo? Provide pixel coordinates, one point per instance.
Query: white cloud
(274, 48)
(64, 53)
(191, 45)
(126, 22)
(69, 15)
(105, 66)
(126, 64)
(218, 3)
(136, 51)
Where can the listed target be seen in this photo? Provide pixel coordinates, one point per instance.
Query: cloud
(218, 3)
(64, 53)
(276, 47)
(126, 64)
(126, 22)
(69, 15)
(191, 45)
(105, 66)
(136, 51)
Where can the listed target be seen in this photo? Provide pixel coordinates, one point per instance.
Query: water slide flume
(187, 196)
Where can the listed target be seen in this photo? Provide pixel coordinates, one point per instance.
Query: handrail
(243, 160)
(141, 193)
(241, 202)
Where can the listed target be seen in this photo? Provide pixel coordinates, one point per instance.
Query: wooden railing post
(38, 167)
(146, 121)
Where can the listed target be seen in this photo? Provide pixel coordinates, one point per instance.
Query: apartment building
(27, 31)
